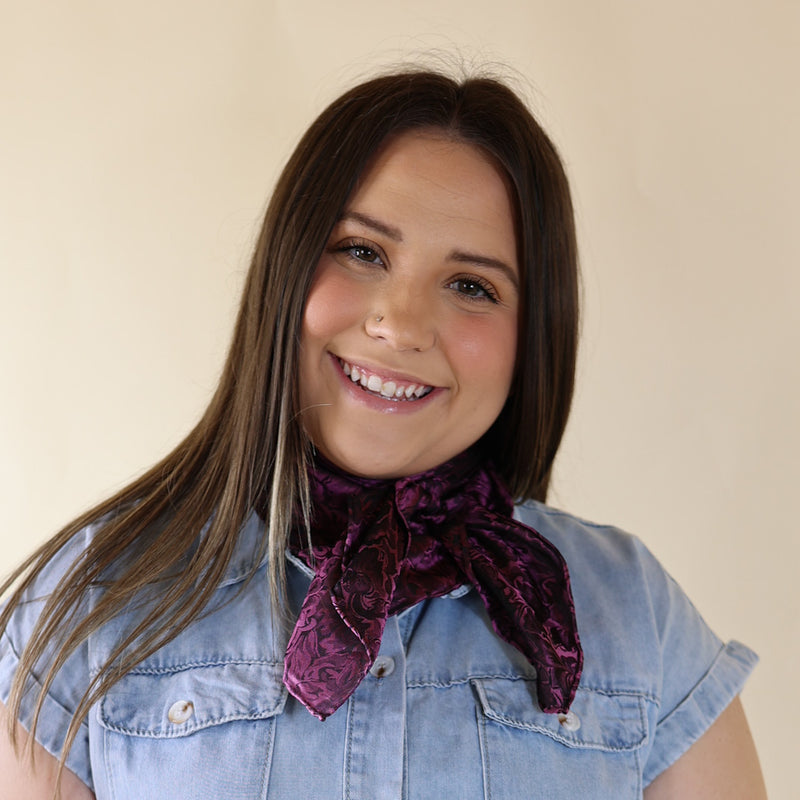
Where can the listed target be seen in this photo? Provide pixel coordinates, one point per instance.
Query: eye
(474, 289)
(359, 251)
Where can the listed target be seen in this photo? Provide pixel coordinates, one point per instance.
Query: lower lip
(382, 404)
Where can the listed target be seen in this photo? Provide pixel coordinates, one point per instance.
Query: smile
(388, 389)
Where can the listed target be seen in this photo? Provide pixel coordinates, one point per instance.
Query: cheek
(328, 306)
(485, 357)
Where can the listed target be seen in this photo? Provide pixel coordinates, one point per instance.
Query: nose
(403, 321)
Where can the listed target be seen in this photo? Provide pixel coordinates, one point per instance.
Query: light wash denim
(450, 710)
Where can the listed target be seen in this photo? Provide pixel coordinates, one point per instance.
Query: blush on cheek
(493, 351)
(332, 302)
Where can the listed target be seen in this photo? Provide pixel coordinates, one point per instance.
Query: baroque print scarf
(380, 546)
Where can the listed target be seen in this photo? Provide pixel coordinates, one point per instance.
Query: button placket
(374, 746)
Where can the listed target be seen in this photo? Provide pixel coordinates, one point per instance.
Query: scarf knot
(380, 546)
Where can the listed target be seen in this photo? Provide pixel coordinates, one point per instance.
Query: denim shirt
(448, 709)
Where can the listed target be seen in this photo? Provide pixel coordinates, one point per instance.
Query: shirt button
(181, 711)
(570, 721)
(382, 668)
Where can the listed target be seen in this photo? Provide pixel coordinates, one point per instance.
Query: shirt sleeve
(71, 681)
(700, 674)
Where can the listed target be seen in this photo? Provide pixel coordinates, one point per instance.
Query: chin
(375, 465)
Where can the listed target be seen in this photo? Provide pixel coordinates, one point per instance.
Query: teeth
(388, 389)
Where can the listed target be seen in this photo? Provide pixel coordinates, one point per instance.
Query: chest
(448, 711)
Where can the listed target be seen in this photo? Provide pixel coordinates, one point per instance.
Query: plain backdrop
(139, 143)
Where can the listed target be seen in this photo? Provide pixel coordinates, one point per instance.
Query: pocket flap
(597, 720)
(180, 701)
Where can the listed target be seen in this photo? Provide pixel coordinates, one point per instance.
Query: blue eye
(474, 289)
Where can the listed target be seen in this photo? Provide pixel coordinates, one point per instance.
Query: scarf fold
(380, 546)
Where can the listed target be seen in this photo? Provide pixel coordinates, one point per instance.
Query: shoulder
(613, 575)
(605, 563)
(52, 573)
(581, 540)
(66, 689)
(624, 598)
(619, 589)
(641, 633)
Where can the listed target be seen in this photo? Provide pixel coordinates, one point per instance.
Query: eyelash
(350, 247)
(488, 292)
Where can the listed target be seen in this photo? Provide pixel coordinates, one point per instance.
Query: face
(410, 328)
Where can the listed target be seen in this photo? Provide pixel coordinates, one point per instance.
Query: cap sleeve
(70, 682)
(700, 674)
(641, 633)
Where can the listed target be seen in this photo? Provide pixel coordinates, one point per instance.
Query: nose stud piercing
(379, 318)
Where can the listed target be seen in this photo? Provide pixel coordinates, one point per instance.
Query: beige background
(139, 142)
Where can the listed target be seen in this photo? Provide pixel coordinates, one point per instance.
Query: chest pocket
(198, 731)
(592, 752)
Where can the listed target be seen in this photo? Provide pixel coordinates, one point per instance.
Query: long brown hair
(175, 527)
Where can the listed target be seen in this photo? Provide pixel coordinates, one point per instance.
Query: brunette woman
(356, 529)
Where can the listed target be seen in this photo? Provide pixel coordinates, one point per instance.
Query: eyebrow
(459, 256)
(486, 261)
(376, 225)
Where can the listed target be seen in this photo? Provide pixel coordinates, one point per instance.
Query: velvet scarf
(380, 546)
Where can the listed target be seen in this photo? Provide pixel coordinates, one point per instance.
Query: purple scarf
(380, 546)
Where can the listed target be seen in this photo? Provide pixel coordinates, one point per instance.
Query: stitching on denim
(484, 745)
(577, 744)
(466, 679)
(404, 791)
(530, 679)
(651, 698)
(183, 667)
(498, 716)
(268, 760)
(187, 730)
(348, 753)
(637, 754)
(107, 759)
(702, 683)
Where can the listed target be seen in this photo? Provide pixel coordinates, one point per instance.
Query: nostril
(401, 329)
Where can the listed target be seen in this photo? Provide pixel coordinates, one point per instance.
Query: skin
(419, 285)
(721, 765)
(36, 780)
(427, 245)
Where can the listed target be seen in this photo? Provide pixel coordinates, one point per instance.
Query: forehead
(441, 178)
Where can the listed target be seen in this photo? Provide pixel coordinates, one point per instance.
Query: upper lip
(386, 373)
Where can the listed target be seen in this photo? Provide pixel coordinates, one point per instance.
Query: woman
(334, 540)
